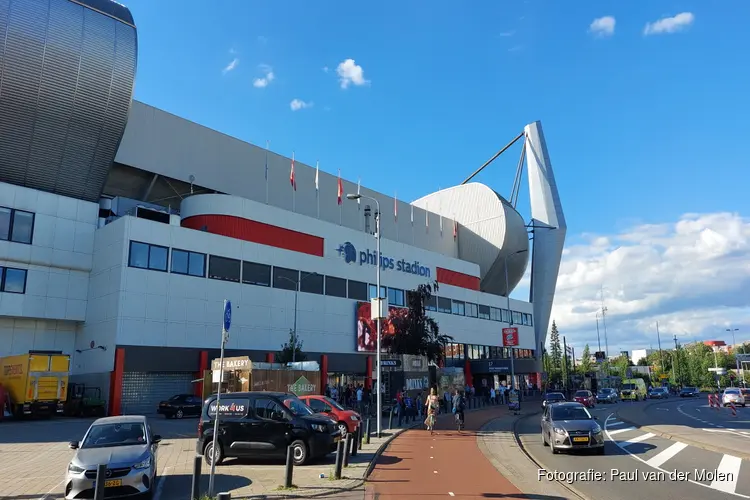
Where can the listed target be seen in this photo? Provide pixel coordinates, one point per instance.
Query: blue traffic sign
(227, 315)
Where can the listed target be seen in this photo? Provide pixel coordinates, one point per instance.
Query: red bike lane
(447, 463)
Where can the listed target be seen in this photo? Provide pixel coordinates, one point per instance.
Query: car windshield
(628, 387)
(570, 413)
(582, 394)
(297, 407)
(553, 396)
(606, 391)
(731, 391)
(109, 435)
(334, 404)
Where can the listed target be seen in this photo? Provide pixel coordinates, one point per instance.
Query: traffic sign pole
(226, 324)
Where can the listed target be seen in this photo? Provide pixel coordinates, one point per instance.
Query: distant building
(639, 354)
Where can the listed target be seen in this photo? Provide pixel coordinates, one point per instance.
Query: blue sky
(640, 129)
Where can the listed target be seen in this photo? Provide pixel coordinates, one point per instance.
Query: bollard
(356, 442)
(390, 419)
(367, 430)
(224, 496)
(347, 450)
(289, 467)
(339, 460)
(196, 493)
(101, 477)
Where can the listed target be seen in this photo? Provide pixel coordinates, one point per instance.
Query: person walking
(433, 407)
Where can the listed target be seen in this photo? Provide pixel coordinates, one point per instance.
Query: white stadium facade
(123, 228)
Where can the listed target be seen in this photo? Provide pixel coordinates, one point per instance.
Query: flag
(441, 224)
(359, 200)
(455, 229)
(412, 215)
(426, 219)
(395, 207)
(317, 176)
(292, 178)
(340, 190)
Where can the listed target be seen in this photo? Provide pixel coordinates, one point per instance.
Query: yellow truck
(37, 382)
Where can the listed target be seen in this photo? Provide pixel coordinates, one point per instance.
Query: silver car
(733, 396)
(570, 426)
(128, 448)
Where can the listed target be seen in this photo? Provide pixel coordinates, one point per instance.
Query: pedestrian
(492, 395)
(433, 406)
(459, 406)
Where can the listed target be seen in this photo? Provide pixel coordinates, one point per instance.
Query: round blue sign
(227, 315)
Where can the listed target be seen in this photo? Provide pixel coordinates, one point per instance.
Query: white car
(733, 396)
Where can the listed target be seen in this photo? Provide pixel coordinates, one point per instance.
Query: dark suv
(262, 425)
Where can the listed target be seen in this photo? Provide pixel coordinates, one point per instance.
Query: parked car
(570, 426)
(586, 398)
(689, 392)
(181, 405)
(659, 393)
(733, 396)
(128, 448)
(606, 395)
(552, 397)
(347, 420)
(263, 425)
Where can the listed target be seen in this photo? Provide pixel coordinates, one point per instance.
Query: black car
(262, 425)
(181, 405)
(689, 392)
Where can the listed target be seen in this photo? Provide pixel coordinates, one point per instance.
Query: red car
(586, 398)
(348, 420)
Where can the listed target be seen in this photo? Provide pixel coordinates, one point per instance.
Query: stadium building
(123, 228)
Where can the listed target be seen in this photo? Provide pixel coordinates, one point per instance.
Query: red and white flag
(340, 190)
(455, 229)
(292, 178)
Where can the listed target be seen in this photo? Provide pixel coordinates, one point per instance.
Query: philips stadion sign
(349, 253)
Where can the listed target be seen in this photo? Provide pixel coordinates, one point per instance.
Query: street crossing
(720, 472)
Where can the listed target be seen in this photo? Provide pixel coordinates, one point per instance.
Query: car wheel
(544, 439)
(208, 453)
(343, 429)
(299, 452)
(179, 413)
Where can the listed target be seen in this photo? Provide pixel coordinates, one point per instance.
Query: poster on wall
(367, 329)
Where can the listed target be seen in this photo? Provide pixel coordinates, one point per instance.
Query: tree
(291, 350)
(555, 349)
(414, 332)
(585, 366)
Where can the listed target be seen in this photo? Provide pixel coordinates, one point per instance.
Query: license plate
(580, 439)
(110, 483)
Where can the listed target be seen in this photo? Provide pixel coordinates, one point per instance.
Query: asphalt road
(658, 468)
(691, 420)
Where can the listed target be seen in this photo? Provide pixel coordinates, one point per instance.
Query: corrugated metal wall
(142, 391)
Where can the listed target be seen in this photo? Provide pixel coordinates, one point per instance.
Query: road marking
(663, 409)
(665, 455)
(46, 495)
(612, 424)
(620, 431)
(432, 457)
(434, 472)
(637, 439)
(451, 494)
(729, 431)
(729, 468)
(160, 483)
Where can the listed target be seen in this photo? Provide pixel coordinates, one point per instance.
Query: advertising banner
(367, 330)
(510, 337)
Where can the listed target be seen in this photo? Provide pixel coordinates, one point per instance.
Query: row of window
(12, 280)
(472, 351)
(155, 257)
(16, 225)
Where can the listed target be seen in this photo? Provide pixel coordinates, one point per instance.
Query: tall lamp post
(297, 283)
(379, 368)
(510, 318)
(734, 344)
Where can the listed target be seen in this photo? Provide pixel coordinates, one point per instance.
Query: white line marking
(637, 439)
(432, 457)
(46, 495)
(729, 468)
(663, 409)
(613, 424)
(665, 455)
(451, 494)
(434, 472)
(160, 483)
(620, 431)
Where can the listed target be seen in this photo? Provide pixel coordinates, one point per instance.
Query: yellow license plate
(112, 483)
(580, 439)
(337, 439)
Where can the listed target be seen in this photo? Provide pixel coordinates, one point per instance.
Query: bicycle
(459, 421)
(431, 423)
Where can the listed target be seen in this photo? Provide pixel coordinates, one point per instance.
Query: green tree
(585, 366)
(414, 332)
(620, 366)
(291, 350)
(555, 349)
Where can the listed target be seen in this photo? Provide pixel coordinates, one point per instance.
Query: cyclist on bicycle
(459, 405)
(433, 406)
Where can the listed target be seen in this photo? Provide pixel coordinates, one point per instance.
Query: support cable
(493, 158)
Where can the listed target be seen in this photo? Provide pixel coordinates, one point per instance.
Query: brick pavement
(448, 463)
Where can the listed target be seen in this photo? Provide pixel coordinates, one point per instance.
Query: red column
(323, 373)
(202, 367)
(270, 357)
(368, 372)
(115, 383)
(467, 374)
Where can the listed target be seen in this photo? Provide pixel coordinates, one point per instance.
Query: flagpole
(395, 212)
(317, 185)
(294, 186)
(268, 144)
(341, 205)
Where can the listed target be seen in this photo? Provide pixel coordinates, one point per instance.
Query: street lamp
(734, 345)
(510, 316)
(379, 416)
(297, 284)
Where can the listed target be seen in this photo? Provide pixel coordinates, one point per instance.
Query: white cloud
(668, 25)
(603, 26)
(231, 66)
(298, 104)
(691, 276)
(350, 73)
(266, 79)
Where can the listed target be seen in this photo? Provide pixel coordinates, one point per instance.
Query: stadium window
(254, 273)
(374, 294)
(471, 309)
(494, 314)
(484, 312)
(444, 305)
(12, 280)
(505, 317)
(285, 279)
(458, 308)
(146, 256)
(517, 319)
(188, 263)
(16, 225)
(335, 287)
(224, 269)
(431, 304)
(395, 297)
(311, 283)
(357, 290)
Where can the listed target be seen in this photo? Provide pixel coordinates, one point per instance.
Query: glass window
(335, 287)
(12, 280)
(190, 263)
(22, 227)
(471, 310)
(145, 256)
(256, 274)
(4, 223)
(484, 312)
(269, 409)
(431, 304)
(158, 257)
(395, 297)
(318, 406)
(458, 308)
(357, 290)
(444, 305)
(505, 317)
(517, 320)
(311, 283)
(138, 255)
(373, 294)
(284, 278)
(494, 314)
(224, 269)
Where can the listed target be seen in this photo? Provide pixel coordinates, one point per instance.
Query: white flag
(359, 186)
(317, 176)
(412, 215)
